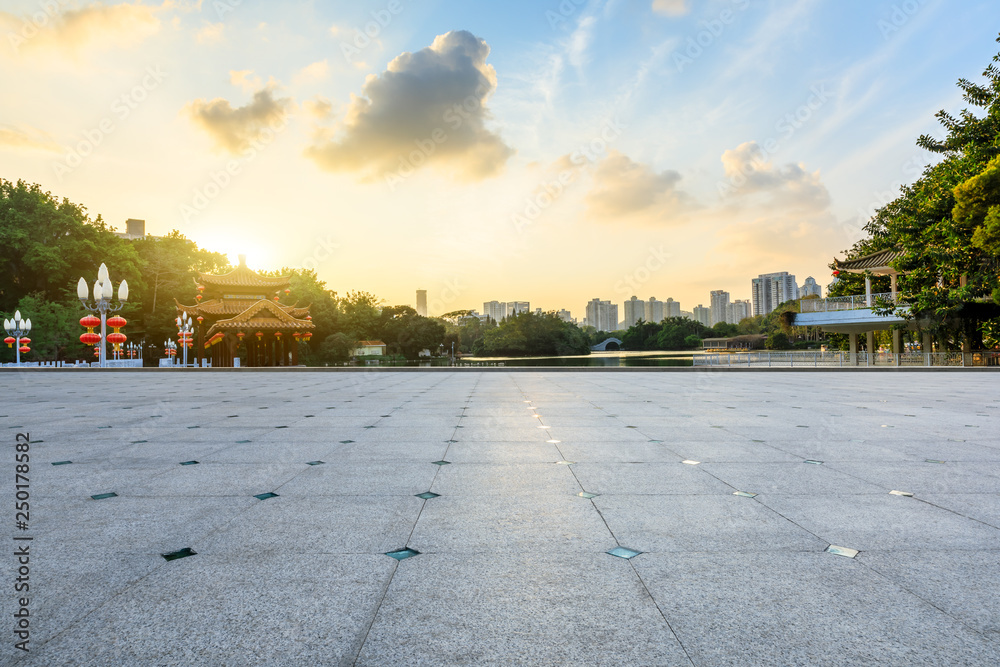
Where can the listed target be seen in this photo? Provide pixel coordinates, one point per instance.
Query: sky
(543, 151)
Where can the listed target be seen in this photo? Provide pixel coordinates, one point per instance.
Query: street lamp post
(184, 329)
(18, 328)
(103, 293)
(170, 348)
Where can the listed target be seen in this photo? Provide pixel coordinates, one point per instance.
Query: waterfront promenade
(730, 485)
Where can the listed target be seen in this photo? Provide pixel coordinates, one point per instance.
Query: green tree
(335, 348)
(777, 341)
(361, 318)
(528, 334)
(944, 223)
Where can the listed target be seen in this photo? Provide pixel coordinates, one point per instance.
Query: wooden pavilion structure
(241, 312)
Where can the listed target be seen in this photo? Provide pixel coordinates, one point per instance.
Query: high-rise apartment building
(810, 288)
(655, 311)
(771, 290)
(602, 315)
(635, 310)
(422, 302)
(494, 310)
(703, 315)
(671, 308)
(720, 302)
(514, 307)
(738, 310)
(564, 315)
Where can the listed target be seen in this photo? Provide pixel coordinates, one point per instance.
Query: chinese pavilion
(240, 314)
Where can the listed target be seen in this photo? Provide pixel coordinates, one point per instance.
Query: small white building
(370, 348)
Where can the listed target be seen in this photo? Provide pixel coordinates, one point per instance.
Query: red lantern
(97, 351)
(117, 339)
(307, 335)
(24, 349)
(287, 292)
(259, 335)
(277, 334)
(296, 336)
(90, 338)
(836, 273)
(117, 322)
(200, 319)
(275, 298)
(10, 341)
(240, 335)
(201, 288)
(197, 298)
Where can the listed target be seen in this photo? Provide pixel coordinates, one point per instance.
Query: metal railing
(818, 359)
(856, 302)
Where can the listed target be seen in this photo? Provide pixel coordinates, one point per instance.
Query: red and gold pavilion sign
(241, 312)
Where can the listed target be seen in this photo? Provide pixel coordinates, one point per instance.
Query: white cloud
(671, 7)
(97, 25)
(316, 71)
(245, 79)
(234, 129)
(26, 138)
(427, 108)
(627, 190)
(211, 33)
(748, 173)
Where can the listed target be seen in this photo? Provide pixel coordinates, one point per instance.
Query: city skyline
(563, 150)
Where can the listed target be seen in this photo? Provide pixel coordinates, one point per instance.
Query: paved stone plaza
(513, 565)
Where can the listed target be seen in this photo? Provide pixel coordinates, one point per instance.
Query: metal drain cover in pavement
(61, 463)
(905, 494)
(814, 462)
(427, 495)
(315, 463)
(588, 496)
(744, 494)
(402, 554)
(265, 496)
(441, 463)
(189, 463)
(104, 496)
(690, 462)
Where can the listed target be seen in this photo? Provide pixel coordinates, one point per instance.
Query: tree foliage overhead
(947, 223)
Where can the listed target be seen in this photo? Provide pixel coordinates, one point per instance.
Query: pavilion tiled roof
(871, 262)
(263, 315)
(213, 307)
(244, 276)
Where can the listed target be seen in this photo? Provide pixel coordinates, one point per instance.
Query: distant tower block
(422, 302)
